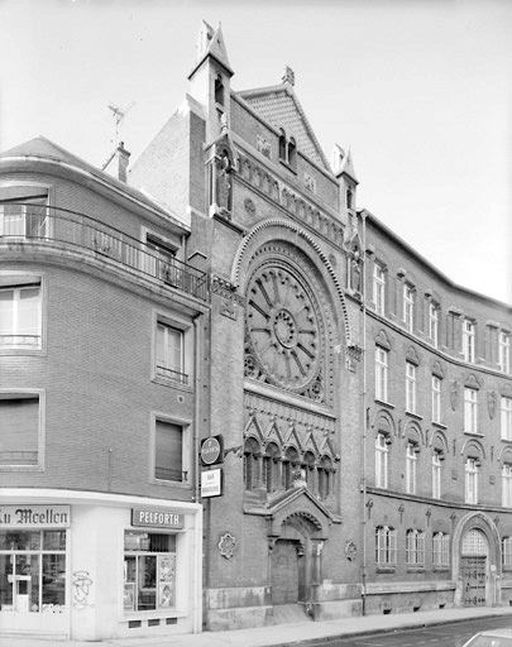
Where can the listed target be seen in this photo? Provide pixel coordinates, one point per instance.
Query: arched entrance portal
(473, 567)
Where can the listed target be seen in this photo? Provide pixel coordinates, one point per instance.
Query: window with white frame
(408, 306)
(440, 549)
(470, 410)
(170, 452)
(433, 323)
(385, 545)
(436, 399)
(381, 374)
(410, 387)
(471, 470)
(506, 485)
(504, 352)
(170, 353)
(437, 458)
(381, 460)
(20, 423)
(468, 340)
(20, 314)
(411, 461)
(507, 551)
(24, 216)
(415, 547)
(379, 288)
(506, 417)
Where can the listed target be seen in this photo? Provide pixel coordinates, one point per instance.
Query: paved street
(446, 635)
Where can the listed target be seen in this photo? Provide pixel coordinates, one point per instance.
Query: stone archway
(476, 559)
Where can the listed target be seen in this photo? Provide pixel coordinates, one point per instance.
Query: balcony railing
(43, 224)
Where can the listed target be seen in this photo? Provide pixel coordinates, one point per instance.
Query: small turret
(344, 171)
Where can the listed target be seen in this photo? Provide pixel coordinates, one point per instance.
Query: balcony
(41, 224)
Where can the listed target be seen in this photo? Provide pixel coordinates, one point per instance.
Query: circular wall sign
(210, 450)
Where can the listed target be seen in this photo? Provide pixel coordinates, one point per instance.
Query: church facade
(358, 403)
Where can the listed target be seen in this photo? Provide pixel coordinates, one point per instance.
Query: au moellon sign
(35, 516)
(157, 518)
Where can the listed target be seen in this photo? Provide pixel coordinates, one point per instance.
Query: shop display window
(149, 571)
(33, 571)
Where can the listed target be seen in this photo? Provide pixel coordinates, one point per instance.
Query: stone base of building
(407, 597)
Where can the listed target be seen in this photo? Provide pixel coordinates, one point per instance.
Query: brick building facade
(364, 401)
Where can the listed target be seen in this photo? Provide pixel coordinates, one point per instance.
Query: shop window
(506, 485)
(436, 399)
(506, 418)
(385, 545)
(411, 460)
(24, 217)
(408, 306)
(504, 352)
(470, 410)
(381, 460)
(251, 463)
(271, 463)
(33, 570)
(170, 353)
(414, 547)
(170, 452)
(20, 425)
(149, 571)
(20, 313)
(437, 458)
(507, 552)
(379, 288)
(468, 340)
(440, 550)
(410, 387)
(381, 374)
(471, 471)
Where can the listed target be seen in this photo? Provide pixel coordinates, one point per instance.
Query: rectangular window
(506, 485)
(470, 410)
(379, 288)
(20, 316)
(440, 549)
(411, 460)
(471, 480)
(385, 545)
(410, 387)
(436, 474)
(19, 422)
(468, 340)
(504, 352)
(436, 399)
(381, 460)
(507, 551)
(149, 571)
(381, 374)
(170, 353)
(433, 324)
(169, 452)
(24, 217)
(506, 418)
(408, 307)
(415, 547)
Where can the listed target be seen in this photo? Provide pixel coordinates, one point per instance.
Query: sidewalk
(282, 635)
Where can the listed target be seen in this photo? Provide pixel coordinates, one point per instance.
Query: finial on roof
(342, 162)
(288, 76)
(211, 42)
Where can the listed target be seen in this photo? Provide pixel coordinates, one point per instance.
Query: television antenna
(118, 115)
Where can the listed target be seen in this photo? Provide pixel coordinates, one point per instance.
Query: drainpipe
(365, 421)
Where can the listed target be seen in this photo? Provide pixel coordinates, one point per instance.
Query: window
(506, 485)
(433, 324)
(440, 550)
(33, 570)
(309, 467)
(411, 460)
(506, 418)
(504, 352)
(170, 353)
(170, 452)
(414, 547)
(149, 571)
(348, 198)
(507, 551)
(219, 90)
(325, 476)
(159, 261)
(24, 216)
(292, 153)
(20, 315)
(381, 374)
(291, 464)
(282, 145)
(379, 288)
(409, 307)
(468, 340)
(471, 480)
(381, 460)
(470, 410)
(436, 399)
(271, 462)
(20, 425)
(410, 387)
(436, 474)
(287, 150)
(385, 545)
(251, 464)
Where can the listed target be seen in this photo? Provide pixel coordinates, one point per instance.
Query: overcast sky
(420, 90)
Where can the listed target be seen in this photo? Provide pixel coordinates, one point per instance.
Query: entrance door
(285, 572)
(473, 571)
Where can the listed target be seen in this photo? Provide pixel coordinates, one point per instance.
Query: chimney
(122, 157)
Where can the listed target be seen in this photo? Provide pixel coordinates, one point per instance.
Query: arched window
(440, 549)
(290, 464)
(385, 545)
(251, 463)
(271, 467)
(292, 153)
(219, 90)
(324, 477)
(309, 467)
(415, 547)
(282, 145)
(382, 443)
(507, 552)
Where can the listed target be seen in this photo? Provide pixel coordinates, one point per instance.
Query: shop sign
(157, 518)
(212, 450)
(35, 516)
(211, 482)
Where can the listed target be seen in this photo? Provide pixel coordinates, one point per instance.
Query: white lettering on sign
(38, 516)
(157, 518)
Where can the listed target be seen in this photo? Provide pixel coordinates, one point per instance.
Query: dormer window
(282, 146)
(292, 153)
(287, 150)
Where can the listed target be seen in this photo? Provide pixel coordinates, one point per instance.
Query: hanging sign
(211, 482)
(212, 450)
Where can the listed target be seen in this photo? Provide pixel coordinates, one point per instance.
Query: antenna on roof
(119, 114)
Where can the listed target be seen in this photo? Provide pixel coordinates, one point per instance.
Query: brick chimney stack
(123, 159)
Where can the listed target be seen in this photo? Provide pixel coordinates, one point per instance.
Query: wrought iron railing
(29, 222)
